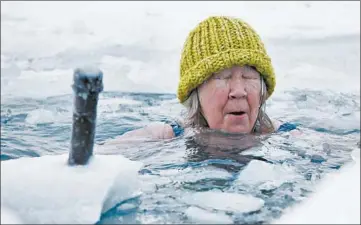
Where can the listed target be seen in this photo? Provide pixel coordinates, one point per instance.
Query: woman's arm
(154, 131)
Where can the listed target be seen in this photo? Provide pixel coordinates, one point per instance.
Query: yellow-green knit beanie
(218, 43)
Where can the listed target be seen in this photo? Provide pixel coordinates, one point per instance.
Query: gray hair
(195, 118)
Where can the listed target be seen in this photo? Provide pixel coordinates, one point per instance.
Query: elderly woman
(226, 77)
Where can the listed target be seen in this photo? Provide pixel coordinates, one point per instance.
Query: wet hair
(195, 118)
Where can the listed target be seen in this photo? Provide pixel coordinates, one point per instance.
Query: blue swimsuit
(178, 129)
(287, 127)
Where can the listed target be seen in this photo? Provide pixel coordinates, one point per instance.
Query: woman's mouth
(238, 113)
(237, 116)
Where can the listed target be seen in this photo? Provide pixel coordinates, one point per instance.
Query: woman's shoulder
(276, 124)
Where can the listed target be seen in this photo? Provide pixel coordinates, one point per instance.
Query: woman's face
(230, 99)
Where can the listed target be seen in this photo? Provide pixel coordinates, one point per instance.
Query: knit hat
(218, 43)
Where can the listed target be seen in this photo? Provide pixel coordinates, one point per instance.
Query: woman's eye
(223, 76)
(250, 76)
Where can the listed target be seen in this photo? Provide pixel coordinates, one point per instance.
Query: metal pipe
(88, 83)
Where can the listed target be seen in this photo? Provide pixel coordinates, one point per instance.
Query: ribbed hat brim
(200, 72)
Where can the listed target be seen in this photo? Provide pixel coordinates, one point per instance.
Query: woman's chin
(237, 129)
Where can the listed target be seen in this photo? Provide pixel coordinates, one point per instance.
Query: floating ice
(197, 215)
(272, 176)
(336, 200)
(230, 202)
(47, 190)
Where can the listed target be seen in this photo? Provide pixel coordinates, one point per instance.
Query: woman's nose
(237, 88)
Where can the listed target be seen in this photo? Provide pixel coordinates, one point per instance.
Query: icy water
(198, 177)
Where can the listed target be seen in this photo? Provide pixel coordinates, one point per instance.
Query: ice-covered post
(88, 83)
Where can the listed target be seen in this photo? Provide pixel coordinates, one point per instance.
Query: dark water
(185, 179)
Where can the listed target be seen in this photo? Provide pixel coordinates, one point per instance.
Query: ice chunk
(47, 190)
(335, 201)
(197, 215)
(272, 176)
(230, 202)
